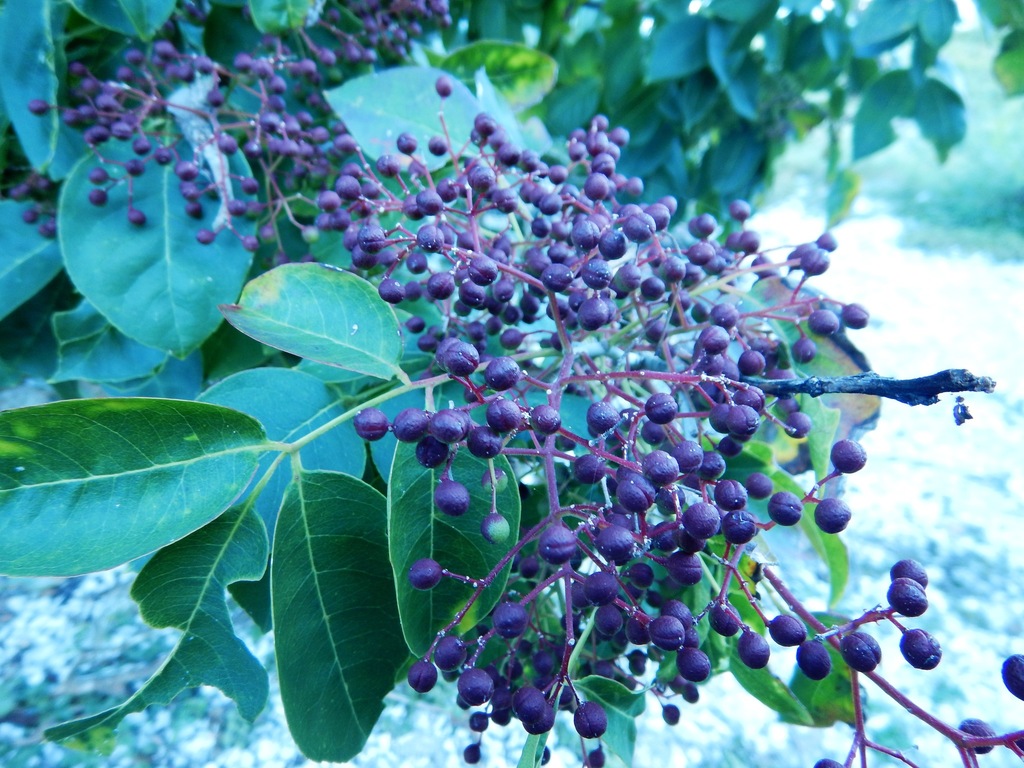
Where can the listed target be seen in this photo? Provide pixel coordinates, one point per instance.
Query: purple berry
(787, 630)
(371, 424)
(813, 659)
(452, 498)
(590, 720)
(848, 456)
(422, 676)
(860, 651)
(922, 651)
(425, 573)
(832, 515)
(557, 544)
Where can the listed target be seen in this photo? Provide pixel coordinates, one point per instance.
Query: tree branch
(923, 390)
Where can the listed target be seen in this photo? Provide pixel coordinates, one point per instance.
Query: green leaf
(744, 88)
(26, 336)
(337, 637)
(28, 59)
(89, 484)
(622, 706)
(133, 18)
(90, 348)
(290, 404)
(769, 690)
(533, 751)
(29, 261)
(378, 107)
(883, 24)
(416, 529)
(941, 115)
(176, 380)
(154, 283)
(841, 193)
(523, 75)
(1009, 64)
(936, 19)
(323, 314)
(741, 11)
(279, 15)
(891, 95)
(734, 163)
(823, 436)
(182, 586)
(678, 49)
(571, 106)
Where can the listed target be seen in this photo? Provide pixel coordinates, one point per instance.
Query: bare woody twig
(924, 390)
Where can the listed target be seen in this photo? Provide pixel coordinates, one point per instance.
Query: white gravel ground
(948, 496)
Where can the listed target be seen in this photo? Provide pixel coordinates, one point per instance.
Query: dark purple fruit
(753, 649)
(600, 588)
(510, 619)
(724, 620)
(907, 596)
(920, 649)
(452, 498)
(601, 417)
(502, 373)
(459, 358)
(660, 408)
(425, 573)
(1013, 675)
(670, 714)
(848, 456)
(693, 664)
(787, 630)
(422, 676)
(702, 520)
(371, 424)
(503, 415)
(660, 468)
(449, 653)
(832, 515)
(730, 495)
(431, 452)
(545, 419)
(785, 508)
(860, 651)
(976, 727)
(813, 659)
(615, 544)
(910, 569)
(475, 687)
(590, 720)
(588, 468)
(450, 425)
(667, 632)
(484, 442)
(685, 568)
(739, 527)
(557, 544)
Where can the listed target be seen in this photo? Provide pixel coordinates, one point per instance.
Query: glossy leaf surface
(154, 282)
(417, 529)
(89, 484)
(29, 261)
(378, 107)
(338, 642)
(322, 314)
